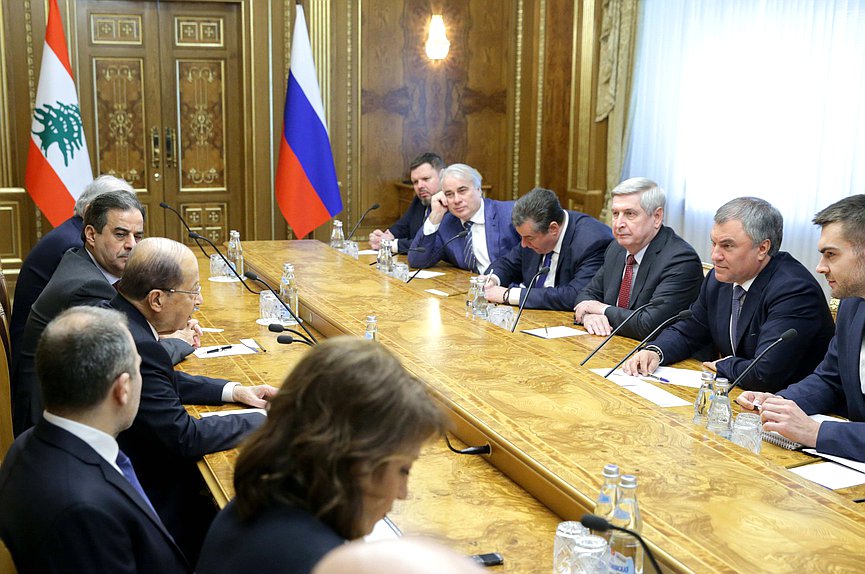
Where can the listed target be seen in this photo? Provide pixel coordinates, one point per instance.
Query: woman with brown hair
(334, 454)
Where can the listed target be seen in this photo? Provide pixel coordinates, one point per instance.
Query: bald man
(158, 292)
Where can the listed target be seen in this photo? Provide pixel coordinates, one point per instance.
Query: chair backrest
(6, 564)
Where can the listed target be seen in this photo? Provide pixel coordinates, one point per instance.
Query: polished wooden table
(707, 504)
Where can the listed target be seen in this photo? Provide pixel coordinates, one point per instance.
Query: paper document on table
(554, 332)
(424, 274)
(674, 376)
(855, 465)
(233, 412)
(830, 474)
(646, 390)
(211, 330)
(367, 252)
(437, 292)
(222, 351)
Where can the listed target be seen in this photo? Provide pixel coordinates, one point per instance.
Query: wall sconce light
(437, 44)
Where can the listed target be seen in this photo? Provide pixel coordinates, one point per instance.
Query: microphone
(279, 328)
(785, 336)
(288, 339)
(198, 236)
(362, 217)
(686, 314)
(255, 277)
(657, 301)
(540, 272)
(485, 449)
(598, 524)
(459, 235)
(164, 205)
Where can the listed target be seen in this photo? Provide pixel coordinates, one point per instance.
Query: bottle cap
(611, 471)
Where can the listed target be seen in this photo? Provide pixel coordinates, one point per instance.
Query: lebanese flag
(58, 163)
(306, 187)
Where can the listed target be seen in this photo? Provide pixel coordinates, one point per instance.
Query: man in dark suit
(460, 206)
(158, 292)
(424, 173)
(43, 259)
(570, 243)
(753, 295)
(662, 265)
(836, 386)
(69, 499)
(112, 225)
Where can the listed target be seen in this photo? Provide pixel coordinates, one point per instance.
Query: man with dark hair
(424, 173)
(753, 295)
(838, 383)
(158, 292)
(69, 498)
(647, 261)
(570, 243)
(113, 223)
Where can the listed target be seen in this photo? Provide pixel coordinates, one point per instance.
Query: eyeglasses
(197, 292)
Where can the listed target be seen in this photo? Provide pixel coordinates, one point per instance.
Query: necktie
(126, 468)
(624, 300)
(738, 295)
(469, 250)
(548, 258)
(116, 284)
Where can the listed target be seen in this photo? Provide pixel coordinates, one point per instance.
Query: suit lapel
(490, 233)
(849, 356)
(614, 282)
(752, 300)
(645, 267)
(564, 261)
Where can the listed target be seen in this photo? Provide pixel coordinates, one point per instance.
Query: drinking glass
(400, 271)
(748, 431)
(351, 249)
(567, 534)
(591, 555)
(219, 271)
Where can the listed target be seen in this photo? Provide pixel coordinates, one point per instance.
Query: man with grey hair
(460, 206)
(838, 383)
(647, 261)
(69, 497)
(43, 259)
(158, 292)
(754, 294)
(571, 244)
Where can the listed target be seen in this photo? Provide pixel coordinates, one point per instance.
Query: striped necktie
(624, 300)
(469, 249)
(738, 294)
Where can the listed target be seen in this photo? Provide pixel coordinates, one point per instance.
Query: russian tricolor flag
(306, 187)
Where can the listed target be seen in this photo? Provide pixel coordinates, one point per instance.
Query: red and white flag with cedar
(58, 163)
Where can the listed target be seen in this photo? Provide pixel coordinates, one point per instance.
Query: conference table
(707, 504)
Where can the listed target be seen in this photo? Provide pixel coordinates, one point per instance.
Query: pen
(657, 378)
(218, 349)
(259, 345)
(547, 333)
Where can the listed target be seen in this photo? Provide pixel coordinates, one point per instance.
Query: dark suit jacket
(164, 442)
(581, 255)
(280, 540)
(784, 295)
(77, 281)
(835, 387)
(409, 224)
(65, 509)
(500, 233)
(670, 269)
(35, 273)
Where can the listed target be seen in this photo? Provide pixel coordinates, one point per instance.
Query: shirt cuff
(514, 296)
(394, 246)
(228, 391)
(429, 228)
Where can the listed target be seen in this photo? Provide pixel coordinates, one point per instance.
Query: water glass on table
(269, 308)
(350, 248)
(748, 431)
(564, 545)
(400, 271)
(591, 555)
(219, 270)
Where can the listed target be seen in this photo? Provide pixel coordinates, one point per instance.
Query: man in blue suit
(424, 173)
(570, 243)
(838, 383)
(460, 206)
(753, 295)
(69, 499)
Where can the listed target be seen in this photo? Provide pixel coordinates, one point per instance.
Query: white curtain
(750, 97)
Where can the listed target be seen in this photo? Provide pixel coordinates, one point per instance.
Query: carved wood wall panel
(120, 134)
(201, 141)
(208, 219)
(120, 29)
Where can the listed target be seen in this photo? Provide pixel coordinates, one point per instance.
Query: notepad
(554, 332)
(778, 439)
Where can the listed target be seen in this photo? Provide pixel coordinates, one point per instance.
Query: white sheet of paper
(211, 330)
(367, 252)
(554, 332)
(233, 412)
(426, 274)
(855, 465)
(643, 389)
(201, 352)
(436, 292)
(251, 343)
(830, 475)
(680, 377)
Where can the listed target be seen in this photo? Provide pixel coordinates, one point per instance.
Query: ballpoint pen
(218, 349)
(657, 378)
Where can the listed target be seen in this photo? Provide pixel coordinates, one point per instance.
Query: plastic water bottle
(385, 257)
(704, 398)
(288, 290)
(235, 251)
(626, 552)
(337, 237)
(721, 411)
(606, 502)
(371, 332)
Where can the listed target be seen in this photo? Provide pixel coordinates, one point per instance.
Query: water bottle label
(370, 336)
(619, 514)
(621, 563)
(604, 498)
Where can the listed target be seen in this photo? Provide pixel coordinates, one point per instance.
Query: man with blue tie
(754, 294)
(838, 383)
(460, 206)
(69, 498)
(571, 244)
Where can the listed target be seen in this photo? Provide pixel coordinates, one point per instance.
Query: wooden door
(162, 83)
